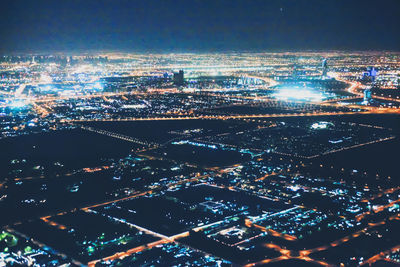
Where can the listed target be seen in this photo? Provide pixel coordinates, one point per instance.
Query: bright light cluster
(299, 94)
(17, 103)
(321, 125)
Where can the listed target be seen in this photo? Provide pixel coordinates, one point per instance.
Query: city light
(198, 153)
(199, 133)
(298, 94)
(17, 103)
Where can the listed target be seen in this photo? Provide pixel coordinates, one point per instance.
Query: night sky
(198, 25)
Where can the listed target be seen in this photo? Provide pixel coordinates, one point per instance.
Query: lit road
(304, 254)
(286, 254)
(354, 89)
(131, 251)
(381, 256)
(119, 136)
(252, 116)
(276, 233)
(386, 98)
(164, 239)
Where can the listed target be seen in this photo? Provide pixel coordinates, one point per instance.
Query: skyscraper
(324, 68)
(179, 78)
(372, 73)
(367, 95)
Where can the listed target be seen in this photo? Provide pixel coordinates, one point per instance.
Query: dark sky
(198, 25)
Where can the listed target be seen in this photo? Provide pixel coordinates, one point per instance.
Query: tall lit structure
(295, 72)
(371, 73)
(179, 78)
(324, 68)
(367, 95)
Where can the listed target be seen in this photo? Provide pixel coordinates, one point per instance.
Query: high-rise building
(179, 78)
(370, 75)
(324, 68)
(367, 95)
(295, 72)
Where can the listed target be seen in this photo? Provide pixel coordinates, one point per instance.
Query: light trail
(386, 98)
(120, 255)
(340, 99)
(348, 237)
(227, 117)
(276, 233)
(119, 136)
(304, 254)
(377, 210)
(267, 175)
(380, 194)
(380, 256)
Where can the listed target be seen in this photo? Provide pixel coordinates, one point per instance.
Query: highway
(382, 256)
(304, 254)
(286, 254)
(251, 116)
(119, 136)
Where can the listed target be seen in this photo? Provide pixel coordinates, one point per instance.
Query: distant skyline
(198, 25)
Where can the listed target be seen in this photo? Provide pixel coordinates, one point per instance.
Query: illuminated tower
(324, 68)
(372, 73)
(367, 95)
(179, 78)
(295, 72)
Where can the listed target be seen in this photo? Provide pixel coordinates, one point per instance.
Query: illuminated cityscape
(241, 157)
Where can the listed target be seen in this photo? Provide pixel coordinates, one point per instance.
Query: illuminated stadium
(300, 93)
